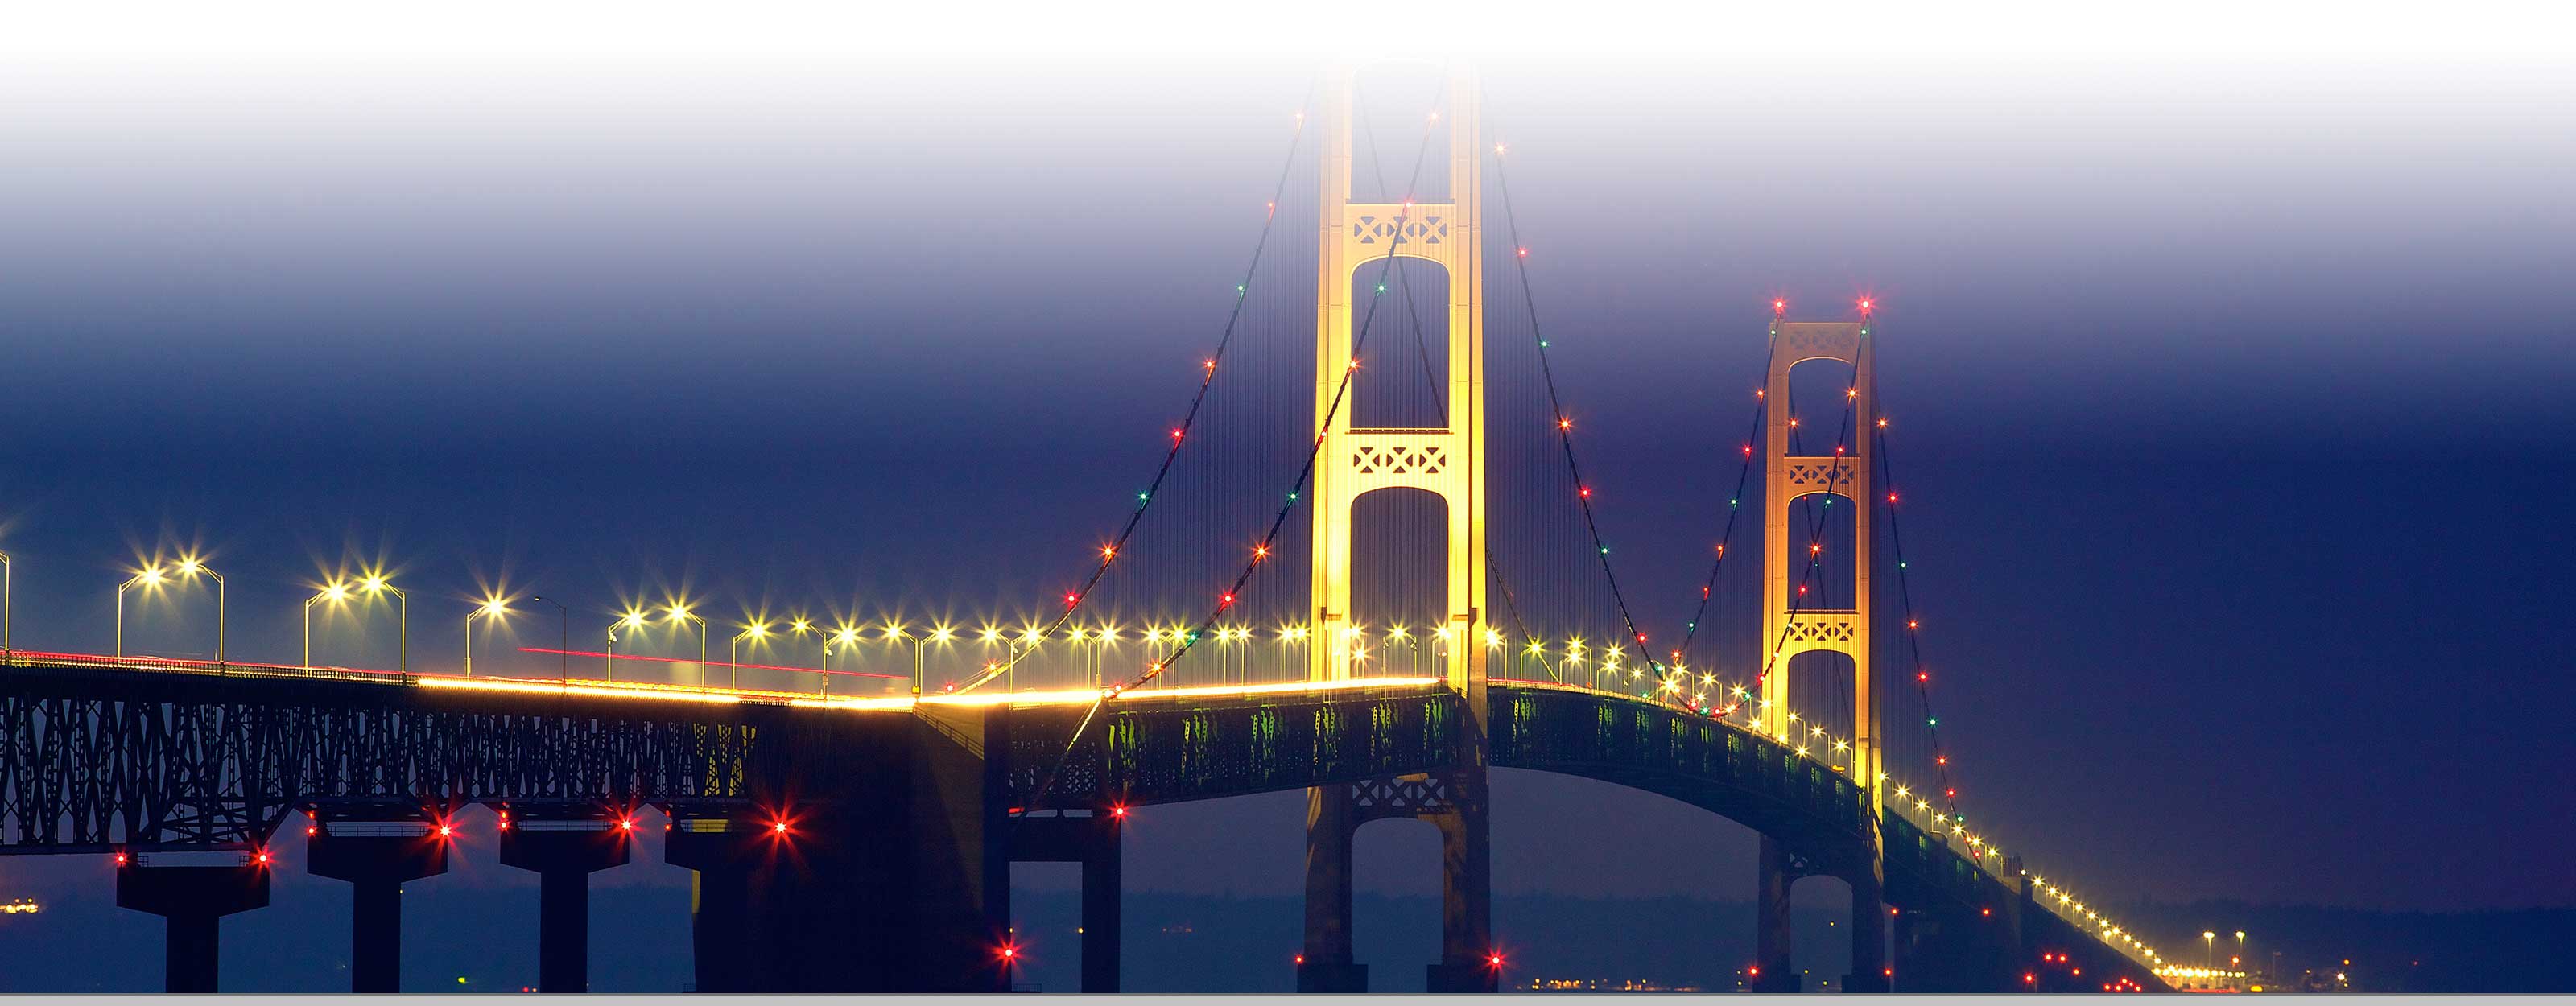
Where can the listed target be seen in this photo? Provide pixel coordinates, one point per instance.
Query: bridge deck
(102, 752)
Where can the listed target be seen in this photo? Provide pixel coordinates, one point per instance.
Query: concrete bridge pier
(1774, 969)
(1468, 961)
(1093, 841)
(194, 899)
(882, 878)
(1871, 971)
(1325, 962)
(1455, 803)
(723, 856)
(377, 865)
(564, 854)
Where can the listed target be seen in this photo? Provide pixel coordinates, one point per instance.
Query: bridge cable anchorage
(1565, 429)
(1180, 435)
(1226, 601)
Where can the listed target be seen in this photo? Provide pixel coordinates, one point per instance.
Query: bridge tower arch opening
(1398, 599)
(1443, 455)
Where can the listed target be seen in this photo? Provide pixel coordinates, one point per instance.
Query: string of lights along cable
(1565, 423)
(1268, 542)
(1108, 553)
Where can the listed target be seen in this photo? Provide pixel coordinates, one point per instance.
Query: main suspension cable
(1180, 434)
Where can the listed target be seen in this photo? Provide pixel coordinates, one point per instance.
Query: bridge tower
(1793, 622)
(1357, 239)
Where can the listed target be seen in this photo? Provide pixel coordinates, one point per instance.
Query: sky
(2228, 367)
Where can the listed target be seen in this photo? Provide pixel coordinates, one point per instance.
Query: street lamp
(152, 576)
(148, 575)
(938, 634)
(680, 613)
(633, 619)
(337, 592)
(7, 573)
(2209, 949)
(848, 637)
(189, 567)
(897, 631)
(494, 609)
(402, 620)
(334, 592)
(756, 630)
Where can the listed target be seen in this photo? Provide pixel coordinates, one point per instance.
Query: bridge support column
(193, 899)
(1870, 969)
(1468, 962)
(1094, 842)
(377, 866)
(720, 917)
(1774, 968)
(1326, 964)
(1455, 803)
(564, 860)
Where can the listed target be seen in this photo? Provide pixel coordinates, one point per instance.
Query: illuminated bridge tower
(1449, 462)
(1794, 623)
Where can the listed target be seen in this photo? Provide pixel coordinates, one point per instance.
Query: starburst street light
(632, 619)
(188, 567)
(337, 592)
(679, 612)
(755, 631)
(896, 630)
(493, 608)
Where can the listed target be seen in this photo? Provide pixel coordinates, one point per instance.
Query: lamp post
(148, 575)
(2209, 949)
(937, 634)
(402, 621)
(680, 613)
(848, 637)
(632, 620)
(899, 632)
(491, 608)
(756, 630)
(189, 567)
(334, 592)
(7, 574)
(563, 653)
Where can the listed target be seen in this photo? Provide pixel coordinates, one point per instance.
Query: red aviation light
(1779, 306)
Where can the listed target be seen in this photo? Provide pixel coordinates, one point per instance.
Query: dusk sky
(2229, 394)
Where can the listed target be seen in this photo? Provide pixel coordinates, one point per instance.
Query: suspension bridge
(853, 828)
